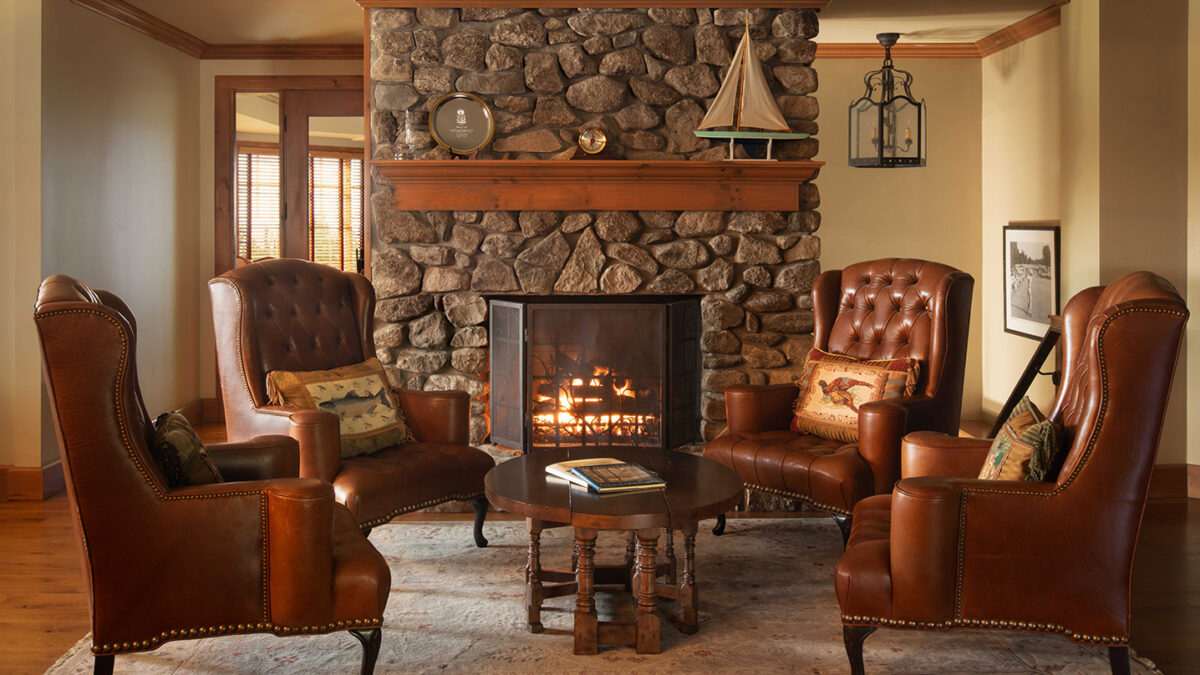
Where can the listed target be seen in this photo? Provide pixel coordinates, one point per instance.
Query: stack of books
(606, 475)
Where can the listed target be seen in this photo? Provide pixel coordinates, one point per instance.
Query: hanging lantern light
(887, 125)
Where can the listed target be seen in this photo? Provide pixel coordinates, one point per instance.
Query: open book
(605, 474)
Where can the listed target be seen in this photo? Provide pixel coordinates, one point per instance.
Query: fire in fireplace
(620, 371)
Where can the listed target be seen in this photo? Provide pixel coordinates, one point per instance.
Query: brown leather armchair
(297, 315)
(258, 555)
(882, 309)
(946, 551)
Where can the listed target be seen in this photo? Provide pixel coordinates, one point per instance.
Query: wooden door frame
(225, 152)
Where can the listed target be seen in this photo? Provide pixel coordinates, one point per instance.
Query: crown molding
(326, 52)
(1032, 25)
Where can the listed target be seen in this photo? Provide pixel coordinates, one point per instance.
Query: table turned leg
(585, 603)
(533, 576)
(669, 556)
(630, 559)
(647, 593)
(688, 593)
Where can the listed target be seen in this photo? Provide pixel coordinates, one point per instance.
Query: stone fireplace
(645, 78)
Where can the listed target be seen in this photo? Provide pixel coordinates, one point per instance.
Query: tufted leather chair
(297, 315)
(947, 551)
(263, 554)
(882, 309)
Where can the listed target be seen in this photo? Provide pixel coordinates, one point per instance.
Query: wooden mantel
(590, 184)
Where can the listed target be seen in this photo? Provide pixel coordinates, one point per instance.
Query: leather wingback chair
(297, 315)
(882, 309)
(947, 551)
(257, 555)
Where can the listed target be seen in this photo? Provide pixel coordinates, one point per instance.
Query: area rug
(767, 604)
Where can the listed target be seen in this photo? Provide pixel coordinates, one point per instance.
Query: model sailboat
(745, 100)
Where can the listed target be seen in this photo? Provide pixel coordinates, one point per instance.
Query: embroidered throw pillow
(833, 387)
(179, 453)
(370, 415)
(1027, 447)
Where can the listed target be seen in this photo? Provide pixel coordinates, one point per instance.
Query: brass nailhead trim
(417, 507)
(228, 629)
(1003, 624)
(796, 495)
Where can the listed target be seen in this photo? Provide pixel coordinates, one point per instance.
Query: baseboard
(31, 483)
(1193, 481)
(214, 411)
(1169, 481)
(194, 412)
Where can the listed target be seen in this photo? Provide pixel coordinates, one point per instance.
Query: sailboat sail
(744, 100)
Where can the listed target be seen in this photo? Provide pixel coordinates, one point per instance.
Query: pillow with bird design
(833, 387)
(371, 418)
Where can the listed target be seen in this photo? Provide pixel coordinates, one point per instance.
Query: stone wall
(645, 77)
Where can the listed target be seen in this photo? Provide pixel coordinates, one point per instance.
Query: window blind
(257, 202)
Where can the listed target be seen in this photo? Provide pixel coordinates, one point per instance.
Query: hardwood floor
(44, 609)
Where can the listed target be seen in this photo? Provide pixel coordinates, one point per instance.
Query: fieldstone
(731, 16)
(402, 309)
(803, 107)
(810, 197)
(669, 44)
(477, 430)
(655, 69)
(442, 279)
(542, 74)
(599, 93)
(470, 336)
(682, 119)
(716, 277)
(391, 19)
(395, 96)
(800, 149)
(720, 380)
(800, 51)
(430, 331)
(617, 225)
(696, 80)
(582, 271)
(720, 342)
(722, 360)
(522, 31)
(675, 16)
(455, 382)
(575, 222)
(753, 322)
(466, 49)
(804, 221)
(712, 47)
(465, 239)
(757, 252)
(466, 216)
(794, 23)
(658, 219)
(552, 111)
(550, 252)
(607, 23)
(717, 312)
(560, 37)
(765, 51)
(425, 39)
(554, 24)
(758, 356)
(622, 63)
(415, 361)
(575, 62)
(796, 348)
(800, 321)
(502, 57)
(798, 277)
(537, 140)
(624, 40)
(426, 57)
(712, 407)
(636, 117)
(796, 79)
(430, 79)
(498, 221)
(389, 335)
(537, 223)
(507, 82)
(487, 13)
(470, 360)
(643, 140)
(437, 17)
(465, 309)
(757, 221)
(738, 293)
(807, 247)
(534, 279)
(634, 256)
(654, 93)
(515, 104)
(722, 244)
(757, 276)
(388, 68)
(700, 223)
(493, 275)
(620, 278)
(395, 274)
(682, 254)
(597, 45)
(671, 282)
(507, 122)
(659, 236)
(440, 221)
(395, 44)
(403, 227)
(769, 300)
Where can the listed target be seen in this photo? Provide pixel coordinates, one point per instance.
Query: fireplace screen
(574, 374)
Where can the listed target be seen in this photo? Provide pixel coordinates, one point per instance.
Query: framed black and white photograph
(1031, 275)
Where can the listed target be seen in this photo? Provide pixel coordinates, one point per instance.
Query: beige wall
(1022, 157)
(1193, 229)
(931, 212)
(20, 236)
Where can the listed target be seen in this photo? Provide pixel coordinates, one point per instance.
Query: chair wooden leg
(1118, 660)
(481, 510)
(719, 528)
(844, 523)
(853, 636)
(103, 665)
(370, 639)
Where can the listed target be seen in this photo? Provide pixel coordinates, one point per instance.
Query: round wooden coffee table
(697, 488)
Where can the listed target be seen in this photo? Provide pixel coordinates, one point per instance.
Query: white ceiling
(341, 21)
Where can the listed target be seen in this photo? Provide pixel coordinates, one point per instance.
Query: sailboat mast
(745, 47)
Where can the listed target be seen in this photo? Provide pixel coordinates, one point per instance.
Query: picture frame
(1031, 276)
